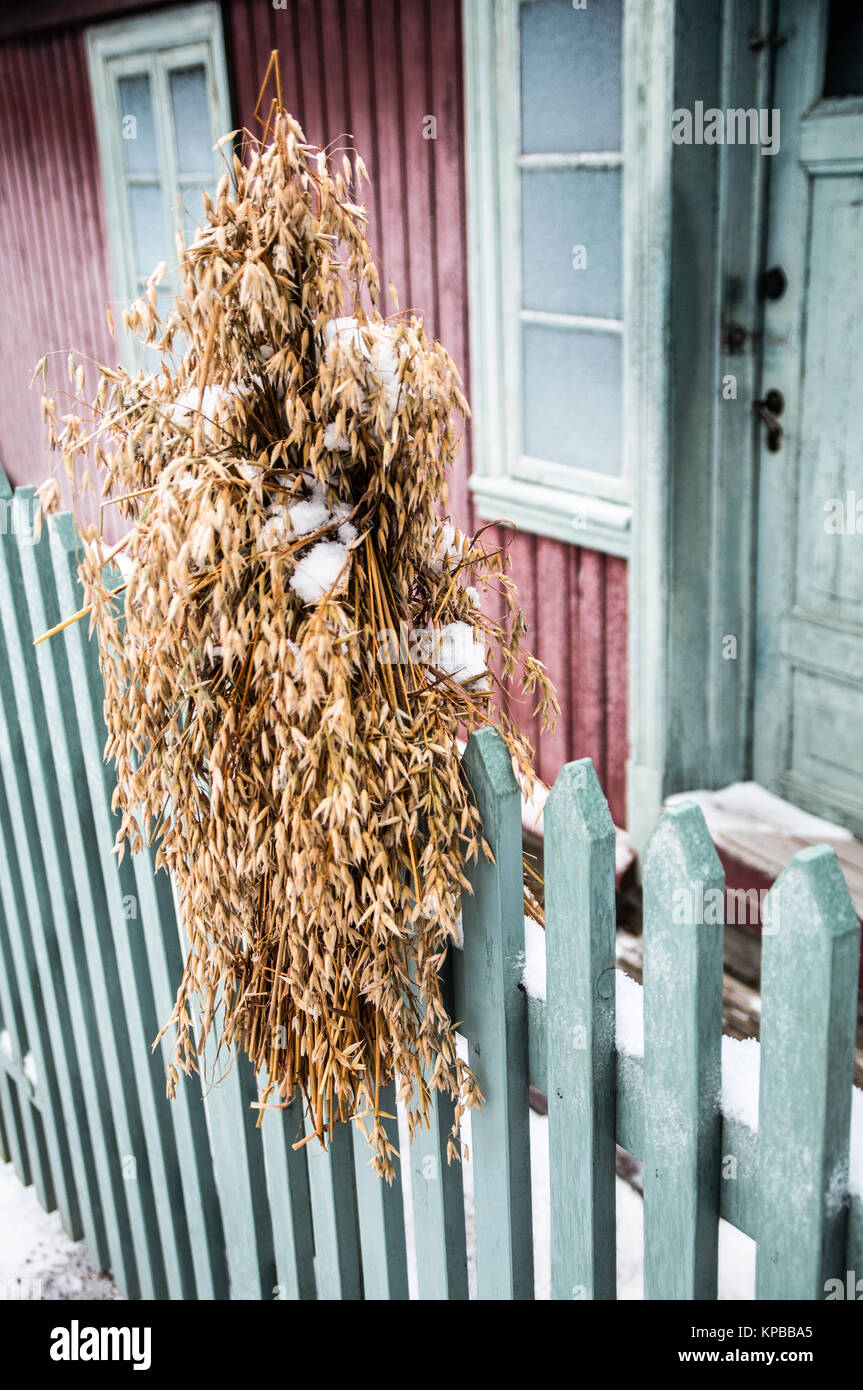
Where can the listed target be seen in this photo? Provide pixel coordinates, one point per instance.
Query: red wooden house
(594, 259)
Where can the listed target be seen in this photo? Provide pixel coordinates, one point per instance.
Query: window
(843, 75)
(545, 193)
(160, 98)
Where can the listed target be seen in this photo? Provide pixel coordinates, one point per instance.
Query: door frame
(700, 231)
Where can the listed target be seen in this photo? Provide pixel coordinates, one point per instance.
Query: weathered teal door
(808, 724)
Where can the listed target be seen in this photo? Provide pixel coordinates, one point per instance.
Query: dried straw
(305, 795)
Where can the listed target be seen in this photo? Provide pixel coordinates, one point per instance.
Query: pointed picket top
(577, 798)
(489, 765)
(810, 898)
(680, 849)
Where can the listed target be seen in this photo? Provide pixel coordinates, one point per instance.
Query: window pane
(570, 248)
(192, 130)
(843, 75)
(137, 128)
(571, 402)
(570, 76)
(148, 227)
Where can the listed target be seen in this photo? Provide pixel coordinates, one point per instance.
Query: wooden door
(808, 717)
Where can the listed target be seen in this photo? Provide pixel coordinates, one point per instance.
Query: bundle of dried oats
(295, 644)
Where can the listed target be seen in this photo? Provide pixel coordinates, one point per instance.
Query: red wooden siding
(52, 230)
(374, 69)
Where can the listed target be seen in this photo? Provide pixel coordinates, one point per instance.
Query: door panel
(830, 563)
(809, 646)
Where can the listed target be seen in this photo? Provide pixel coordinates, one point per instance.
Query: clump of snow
(309, 515)
(533, 975)
(6, 1043)
(460, 653)
(30, 1071)
(335, 441)
(192, 402)
(741, 1069)
(628, 1015)
(319, 570)
(375, 342)
(451, 544)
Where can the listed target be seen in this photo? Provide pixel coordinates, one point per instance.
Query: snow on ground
(37, 1258)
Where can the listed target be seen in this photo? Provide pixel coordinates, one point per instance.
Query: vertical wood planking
(47, 921)
(51, 172)
(54, 756)
(19, 1121)
(90, 835)
(418, 159)
(389, 141)
(810, 952)
(437, 1198)
(683, 930)
(522, 552)
(552, 638)
(290, 1202)
(5, 1153)
(496, 1027)
(241, 1178)
(589, 662)
(580, 955)
(143, 910)
(381, 1215)
(338, 1262)
(616, 686)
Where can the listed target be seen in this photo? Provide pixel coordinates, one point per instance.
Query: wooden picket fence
(189, 1199)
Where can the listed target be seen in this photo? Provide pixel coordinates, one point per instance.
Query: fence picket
(84, 991)
(437, 1203)
(290, 1202)
(810, 955)
(135, 1255)
(580, 956)
(338, 1262)
(89, 832)
(49, 918)
(683, 931)
(5, 1147)
(380, 1211)
(496, 1027)
(17, 1118)
(241, 1178)
(190, 1215)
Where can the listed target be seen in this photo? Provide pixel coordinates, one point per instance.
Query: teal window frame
(155, 44)
(570, 503)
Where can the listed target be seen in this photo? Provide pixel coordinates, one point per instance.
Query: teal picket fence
(190, 1199)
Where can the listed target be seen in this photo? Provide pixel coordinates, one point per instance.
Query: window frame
(158, 44)
(578, 505)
